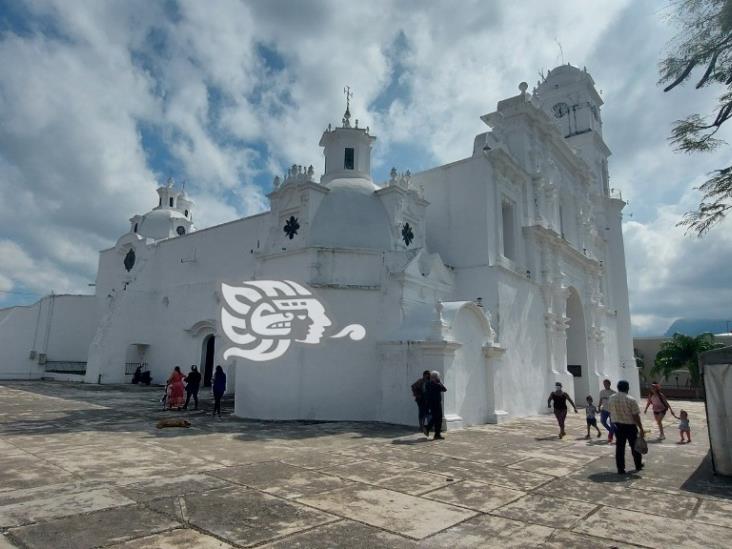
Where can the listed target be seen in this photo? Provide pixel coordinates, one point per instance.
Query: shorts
(592, 422)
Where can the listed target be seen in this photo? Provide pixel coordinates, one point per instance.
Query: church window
(135, 228)
(561, 221)
(508, 219)
(181, 230)
(129, 260)
(291, 227)
(186, 213)
(171, 201)
(407, 234)
(348, 159)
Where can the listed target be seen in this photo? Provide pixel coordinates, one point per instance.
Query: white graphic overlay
(259, 318)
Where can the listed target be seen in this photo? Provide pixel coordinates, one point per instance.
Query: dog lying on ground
(173, 422)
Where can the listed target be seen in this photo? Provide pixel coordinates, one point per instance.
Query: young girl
(684, 427)
(591, 411)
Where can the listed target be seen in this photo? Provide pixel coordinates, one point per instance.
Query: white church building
(505, 271)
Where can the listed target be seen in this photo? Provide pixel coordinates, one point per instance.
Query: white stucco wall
(59, 326)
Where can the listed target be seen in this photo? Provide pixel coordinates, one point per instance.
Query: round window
(181, 230)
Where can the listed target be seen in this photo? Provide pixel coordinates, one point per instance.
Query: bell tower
(569, 97)
(347, 149)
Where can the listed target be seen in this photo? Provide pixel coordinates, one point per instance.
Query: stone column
(492, 353)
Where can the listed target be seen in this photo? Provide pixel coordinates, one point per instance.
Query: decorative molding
(493, 350)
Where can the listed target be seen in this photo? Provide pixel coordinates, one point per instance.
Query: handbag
(641, 446)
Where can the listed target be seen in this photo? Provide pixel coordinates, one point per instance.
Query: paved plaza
(84, 466)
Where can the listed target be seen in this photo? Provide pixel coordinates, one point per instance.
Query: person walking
(176, 388)
(218, 388)
(419, 390)
(684, 428)
(433, 395)
(660, 405)
(625, 415)
(590, 412)
(559, 399)
(193, 385)
(602, 401)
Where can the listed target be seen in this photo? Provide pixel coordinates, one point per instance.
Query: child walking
(684, 427)
(591, 411)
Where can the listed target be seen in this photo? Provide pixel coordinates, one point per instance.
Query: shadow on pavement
(704, 481)
(610, 477)
(410, 442)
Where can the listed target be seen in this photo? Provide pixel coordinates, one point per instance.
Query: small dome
(566, 74)
(351, 216)
(161, 223)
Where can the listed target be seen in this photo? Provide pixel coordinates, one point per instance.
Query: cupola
(173, 216)
(347, 149)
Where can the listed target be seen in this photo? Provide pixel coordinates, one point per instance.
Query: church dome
(162, 223)
(565, 75)
(351, 216)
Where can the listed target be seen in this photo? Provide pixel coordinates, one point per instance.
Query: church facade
(505, 271)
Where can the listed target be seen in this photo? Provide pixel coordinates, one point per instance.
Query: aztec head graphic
(262, 318)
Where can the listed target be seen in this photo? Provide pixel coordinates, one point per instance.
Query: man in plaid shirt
(625, 416)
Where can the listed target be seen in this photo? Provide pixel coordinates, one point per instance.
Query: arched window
(171, 201)
(508, 219)
(186, 213)
(160, 201)
(135, 228)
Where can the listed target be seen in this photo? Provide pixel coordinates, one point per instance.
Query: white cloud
(674, 275)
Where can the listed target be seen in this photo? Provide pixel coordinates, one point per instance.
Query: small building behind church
(504, 271)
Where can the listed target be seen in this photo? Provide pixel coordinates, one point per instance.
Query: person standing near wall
(419, 390)
(192, 387)
(559, 399)
(433, 395)
(625, 415)
(218, 388)
(605, 395)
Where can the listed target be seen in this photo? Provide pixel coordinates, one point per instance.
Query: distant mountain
(695, 326)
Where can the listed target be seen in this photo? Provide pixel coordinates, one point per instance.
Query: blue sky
(102, 101)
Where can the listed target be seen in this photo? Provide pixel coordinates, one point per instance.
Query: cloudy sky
(101, 100)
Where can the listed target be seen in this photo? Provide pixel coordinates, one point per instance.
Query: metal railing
(65, 367)
(130, 367)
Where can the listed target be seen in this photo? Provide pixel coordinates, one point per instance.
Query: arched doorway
(208, 348)
(577, 347)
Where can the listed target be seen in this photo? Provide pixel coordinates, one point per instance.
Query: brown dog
(173, 422)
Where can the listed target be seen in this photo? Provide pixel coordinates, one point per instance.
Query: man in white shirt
(625, 415)
(605, 395)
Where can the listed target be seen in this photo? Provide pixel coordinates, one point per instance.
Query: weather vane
(347, 116)
(347, 91)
